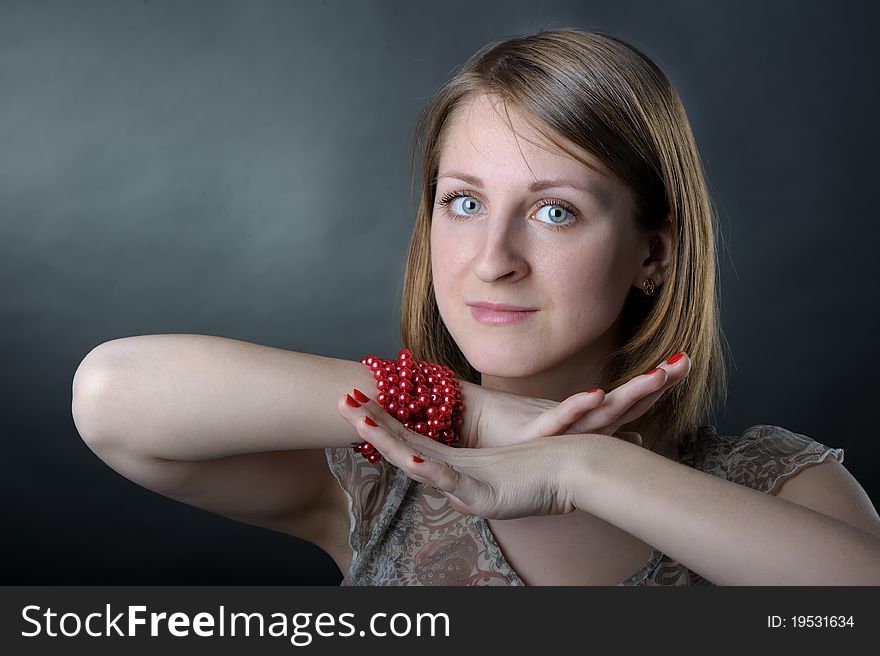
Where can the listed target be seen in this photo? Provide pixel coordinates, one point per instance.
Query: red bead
(424, 396)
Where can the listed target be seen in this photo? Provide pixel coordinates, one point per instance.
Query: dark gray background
(241, 169)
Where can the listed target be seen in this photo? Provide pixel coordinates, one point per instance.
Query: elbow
(97, 381)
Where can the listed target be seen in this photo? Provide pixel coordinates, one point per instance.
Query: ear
(656, 250)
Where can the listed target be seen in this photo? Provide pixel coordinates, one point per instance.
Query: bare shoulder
(829, 488)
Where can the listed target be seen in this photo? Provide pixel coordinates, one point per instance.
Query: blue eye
(471, 205)
(557, 212)
(467, 205)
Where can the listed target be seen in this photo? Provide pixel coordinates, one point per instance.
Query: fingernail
(648, 373)
(594, 390)
(370, 422)
(417, 459)
(350, 401)
(675, 358)
(360, 396)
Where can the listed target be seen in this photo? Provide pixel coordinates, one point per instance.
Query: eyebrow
(537, 185)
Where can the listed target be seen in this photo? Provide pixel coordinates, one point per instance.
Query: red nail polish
(360, 396)
(675, 358)
(648, 373)
(593, 390)
(350, 401)
(417, 459)
(370, 422)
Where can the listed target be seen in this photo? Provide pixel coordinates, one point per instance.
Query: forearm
(727, 533)
(198, 397)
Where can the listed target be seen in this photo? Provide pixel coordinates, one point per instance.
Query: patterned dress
(405, 533)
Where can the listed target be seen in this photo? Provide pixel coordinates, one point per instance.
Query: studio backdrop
(241, 169)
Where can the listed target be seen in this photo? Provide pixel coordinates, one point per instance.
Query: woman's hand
(502, 418)
(520, 480)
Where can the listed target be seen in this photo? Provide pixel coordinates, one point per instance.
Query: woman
(619, 273)
(550, 484)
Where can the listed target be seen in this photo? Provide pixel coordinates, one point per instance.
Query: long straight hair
(615, 103)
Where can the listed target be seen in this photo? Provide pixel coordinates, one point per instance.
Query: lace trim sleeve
(365, 486)
(765, 455)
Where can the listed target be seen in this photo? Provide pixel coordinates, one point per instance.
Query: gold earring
(648, 286)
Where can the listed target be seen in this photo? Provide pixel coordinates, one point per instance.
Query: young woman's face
(502, 245)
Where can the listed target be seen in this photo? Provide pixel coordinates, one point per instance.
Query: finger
(637, 410)
(354, 408)
(632, 399)
(463, 491)
(392, 449)
(558, 420)
(620, 400)
(629, 436)
(675, 372)
(378, 414)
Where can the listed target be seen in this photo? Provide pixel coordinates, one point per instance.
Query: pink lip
(497, 317)
(504, 307)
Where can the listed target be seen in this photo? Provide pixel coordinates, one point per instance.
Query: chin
(500, 363)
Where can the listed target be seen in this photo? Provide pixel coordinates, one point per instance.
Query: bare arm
(235, 428)
(198, 397)
(728, 533)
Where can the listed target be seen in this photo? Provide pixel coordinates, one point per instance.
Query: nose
(502, 249)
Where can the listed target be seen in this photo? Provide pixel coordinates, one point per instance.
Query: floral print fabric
(404, 533)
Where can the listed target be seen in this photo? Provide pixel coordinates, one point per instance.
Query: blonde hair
(611, 100)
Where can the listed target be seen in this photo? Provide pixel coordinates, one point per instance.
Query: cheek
(444, 262)
(591, 286)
